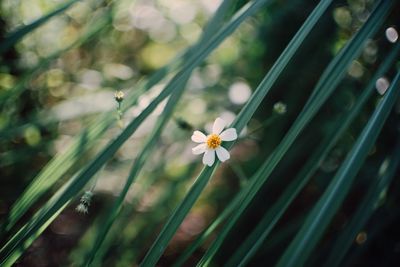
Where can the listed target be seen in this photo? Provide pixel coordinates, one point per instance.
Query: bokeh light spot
(90, 79)
(164, 34)
(146, 17)
(361, 238)
(32, 135)
(54, 77)
(239, 92)
(228, 53)
(120, 71)
(382, 84)
(190, 32)
(157, 55)
(182, 12)
(342, 17)
(391, 34)
(7, 81)
(210, 6)
(356, 70)
(198, 106)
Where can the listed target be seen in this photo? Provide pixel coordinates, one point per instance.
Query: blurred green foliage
(58, 114)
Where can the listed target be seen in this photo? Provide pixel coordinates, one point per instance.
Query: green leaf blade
(20, 33)
(250, 246)
(319, 218)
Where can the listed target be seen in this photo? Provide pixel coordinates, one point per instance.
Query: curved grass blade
(246, 113)
(130, 244)
(207, 232)
(320, 216)
(364, 211)
(18, 34)
(101, 22)
(382, 218)
(136, 168)
(324, 88)
(77, 183)
(177, 217)
(10, 258)
(211, 28)
(252, 243)
(61, 163)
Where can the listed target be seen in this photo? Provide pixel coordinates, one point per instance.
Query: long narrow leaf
(247, 112)
(210, 229)
(214, 24)
(320, 217)
(249, 247)
(364, 211)
(137, 166)
(323, 90)
(77, 183)
(98, 25)
(62, 162)
(18, 34)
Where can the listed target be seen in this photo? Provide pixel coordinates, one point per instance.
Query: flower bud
(119, 96)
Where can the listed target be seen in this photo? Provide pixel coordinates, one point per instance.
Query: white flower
(211, 144)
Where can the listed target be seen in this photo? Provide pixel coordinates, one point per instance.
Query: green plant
(125, 229)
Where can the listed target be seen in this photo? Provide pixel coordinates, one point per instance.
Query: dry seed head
(87, 197)
(82, 208)
(84, 204)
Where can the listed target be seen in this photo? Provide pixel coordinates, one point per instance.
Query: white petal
(219, 125)
(209, 157)
(228, 135)
(198, 137)
(222, 154)
(199, 149)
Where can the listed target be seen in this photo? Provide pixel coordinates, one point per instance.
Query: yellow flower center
(213, 141)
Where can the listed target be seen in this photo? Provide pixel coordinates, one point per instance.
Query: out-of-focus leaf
(322, 213)
(249, 247)
(77, 183)
(247, 112)
(18, 34)
(210, 29)
(364, 211)
(324, 88)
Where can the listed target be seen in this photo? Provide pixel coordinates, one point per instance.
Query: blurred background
(64, 74)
